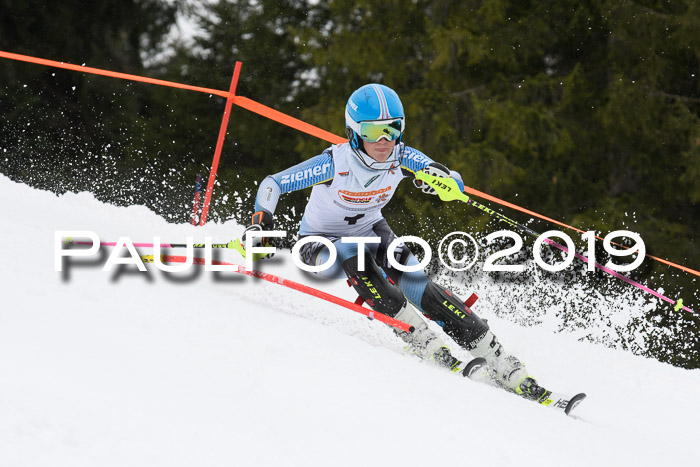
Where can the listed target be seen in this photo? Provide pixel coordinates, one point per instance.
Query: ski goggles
(373, 131)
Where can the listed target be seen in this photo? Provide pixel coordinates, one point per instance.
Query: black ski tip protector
(473, 366)
(573, 402)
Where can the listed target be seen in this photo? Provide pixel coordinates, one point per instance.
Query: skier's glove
(262, 220)
(436, 170)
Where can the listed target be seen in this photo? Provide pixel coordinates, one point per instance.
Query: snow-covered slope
(212, 369)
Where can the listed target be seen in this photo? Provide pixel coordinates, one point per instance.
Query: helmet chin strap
(358, 147)
(389, 164)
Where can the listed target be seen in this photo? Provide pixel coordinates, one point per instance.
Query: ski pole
(448, 190)
(195, 208)
(480, 194)
(233, 244)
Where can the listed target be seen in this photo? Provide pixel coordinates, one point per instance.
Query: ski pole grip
(447, 188)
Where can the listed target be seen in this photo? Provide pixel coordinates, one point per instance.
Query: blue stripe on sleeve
(318, 169)
(414, 160)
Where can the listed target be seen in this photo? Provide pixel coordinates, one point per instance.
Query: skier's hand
(262, 220)
(436, 170)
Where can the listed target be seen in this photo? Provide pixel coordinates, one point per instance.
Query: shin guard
(472, 333)
(373, 286)
(461, 324)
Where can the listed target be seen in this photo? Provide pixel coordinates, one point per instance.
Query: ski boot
(428, 345)
(529, 389)
(383, 295)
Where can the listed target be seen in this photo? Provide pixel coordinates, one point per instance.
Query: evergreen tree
(70, 131)
(258, 34)
(585, 111)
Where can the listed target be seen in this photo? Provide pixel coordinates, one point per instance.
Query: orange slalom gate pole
(481, 194)
(111, 74)
(371, 314)
(285, 119)
(220, 143)
(279, 117)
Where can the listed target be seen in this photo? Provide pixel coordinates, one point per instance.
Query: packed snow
(114, 368)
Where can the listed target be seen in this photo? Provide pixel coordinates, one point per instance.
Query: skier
(351, 183)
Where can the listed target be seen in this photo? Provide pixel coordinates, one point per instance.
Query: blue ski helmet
(373, 112)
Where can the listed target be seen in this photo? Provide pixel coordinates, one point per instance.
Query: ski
(561, 401)
(478, 370)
